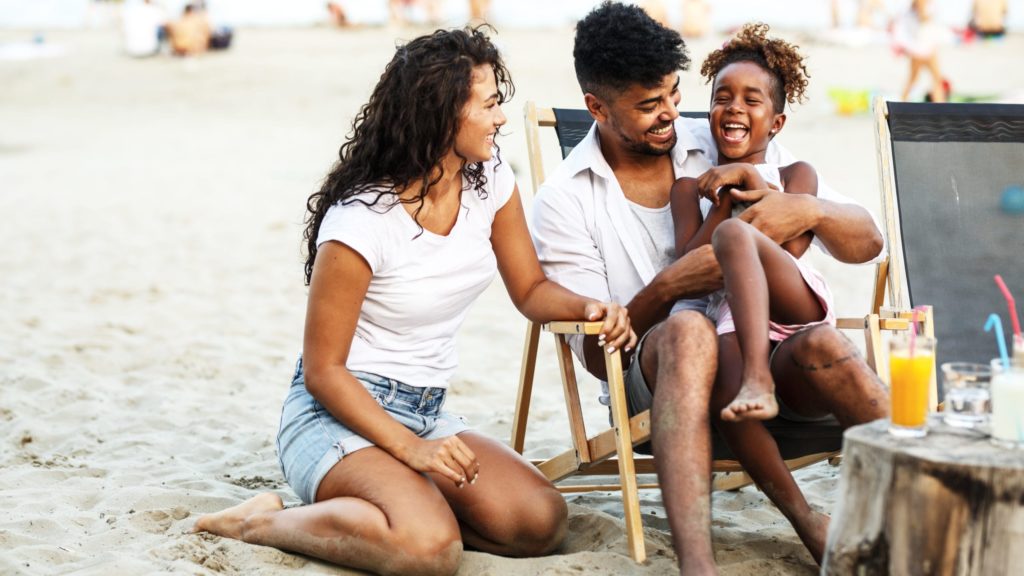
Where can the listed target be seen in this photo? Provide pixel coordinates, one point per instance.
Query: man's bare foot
(230, 522)
(813, 532)
(753, 402)
(697, 567)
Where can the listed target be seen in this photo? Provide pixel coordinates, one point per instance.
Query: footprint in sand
(158, 521)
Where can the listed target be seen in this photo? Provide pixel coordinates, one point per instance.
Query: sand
(152, 303)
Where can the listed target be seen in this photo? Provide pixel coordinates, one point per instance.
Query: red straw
(1010, 304)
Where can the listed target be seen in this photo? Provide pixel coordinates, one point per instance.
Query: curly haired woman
(407, 230)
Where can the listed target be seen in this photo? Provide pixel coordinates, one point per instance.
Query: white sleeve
(504, 182)
(778, 154)
(566, 250)
(358, 227)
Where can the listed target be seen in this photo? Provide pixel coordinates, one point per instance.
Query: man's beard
(643, 147)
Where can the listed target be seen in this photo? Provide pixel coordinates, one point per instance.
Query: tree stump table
(949, 503)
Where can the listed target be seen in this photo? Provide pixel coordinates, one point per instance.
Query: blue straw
(994, 320)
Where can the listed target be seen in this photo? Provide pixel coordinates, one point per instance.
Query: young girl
(769, 293)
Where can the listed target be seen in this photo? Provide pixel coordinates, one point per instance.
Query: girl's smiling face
(743, 116)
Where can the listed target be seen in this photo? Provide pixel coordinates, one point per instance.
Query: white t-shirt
(422, 283)
(140, 24)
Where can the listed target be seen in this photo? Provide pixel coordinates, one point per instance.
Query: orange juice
(910, 378)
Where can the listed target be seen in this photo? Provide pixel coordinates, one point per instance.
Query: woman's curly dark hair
(779, 58)
(401, 135)
(619, 45)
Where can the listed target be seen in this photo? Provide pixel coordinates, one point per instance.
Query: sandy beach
(152, 301)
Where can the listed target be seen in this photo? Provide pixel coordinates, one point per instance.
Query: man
(602, 228)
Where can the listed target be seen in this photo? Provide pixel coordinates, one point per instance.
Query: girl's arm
(691, 229)
(799, 178)
(336, 293)
(538, 298)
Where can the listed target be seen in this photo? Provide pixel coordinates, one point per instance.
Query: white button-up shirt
(585, 236)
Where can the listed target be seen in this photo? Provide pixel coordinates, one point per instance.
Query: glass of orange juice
(911, 362)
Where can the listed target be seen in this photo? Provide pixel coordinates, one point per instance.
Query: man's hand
(779, 216)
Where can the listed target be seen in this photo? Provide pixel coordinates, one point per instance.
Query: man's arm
(842, 227)
(847, 231)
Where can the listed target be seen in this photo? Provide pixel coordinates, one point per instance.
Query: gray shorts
(639, 397)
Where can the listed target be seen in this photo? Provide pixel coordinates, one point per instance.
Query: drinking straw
(1010, 304)
(995, 321)
(913, 330)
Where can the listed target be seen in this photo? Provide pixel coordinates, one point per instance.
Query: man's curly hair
(779, 58)
(619, 45)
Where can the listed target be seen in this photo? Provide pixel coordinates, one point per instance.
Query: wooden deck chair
(953, 188)
(611, 451)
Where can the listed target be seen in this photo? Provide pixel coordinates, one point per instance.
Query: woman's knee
(541, 526)
(429, 550)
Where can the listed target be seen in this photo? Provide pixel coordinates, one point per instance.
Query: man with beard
(602, 228)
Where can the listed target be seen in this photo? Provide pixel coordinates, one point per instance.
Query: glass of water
(968, 395)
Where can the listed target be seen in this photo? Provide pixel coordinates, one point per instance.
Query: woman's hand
(449, 457)
(616, 332)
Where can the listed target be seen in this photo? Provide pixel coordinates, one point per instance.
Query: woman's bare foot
(755, 401)
(230, 522)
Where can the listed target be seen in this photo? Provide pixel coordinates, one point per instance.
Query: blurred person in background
(478, 10)
(918, 35)
(142, 27)
(190, 35)
(696, 18)
(989, 18)
(398, 11)
(337, 14)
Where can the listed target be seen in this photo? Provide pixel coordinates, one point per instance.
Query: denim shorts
(311, 441)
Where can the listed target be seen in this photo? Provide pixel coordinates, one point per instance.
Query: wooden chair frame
(611, 451)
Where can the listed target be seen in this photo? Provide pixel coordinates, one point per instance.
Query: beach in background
(152, 303)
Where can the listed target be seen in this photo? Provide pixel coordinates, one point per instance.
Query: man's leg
(819, 371)
(679, 360)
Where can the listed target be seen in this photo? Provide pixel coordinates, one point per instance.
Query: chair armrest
(861, 323)
(574, 327)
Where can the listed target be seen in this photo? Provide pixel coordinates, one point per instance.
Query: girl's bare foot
(230, 522)
(755, 401)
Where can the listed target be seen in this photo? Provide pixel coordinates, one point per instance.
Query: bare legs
(761, 282)
(678, 360)
(937, 92)
(374, 513)
(818, 371)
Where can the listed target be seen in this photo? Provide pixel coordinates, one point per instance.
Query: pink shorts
(719, 312)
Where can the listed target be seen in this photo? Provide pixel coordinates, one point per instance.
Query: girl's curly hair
(779, 58)
(408, 126)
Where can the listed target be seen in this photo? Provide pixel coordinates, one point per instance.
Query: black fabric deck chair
(953, 187)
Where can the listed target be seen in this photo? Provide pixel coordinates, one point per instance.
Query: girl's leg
(755, 448)
(938, 92)
(761, 282)
(511, 509)
(915, 69)
(372, 513)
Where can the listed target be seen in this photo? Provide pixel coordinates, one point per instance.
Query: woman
(407, 230)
